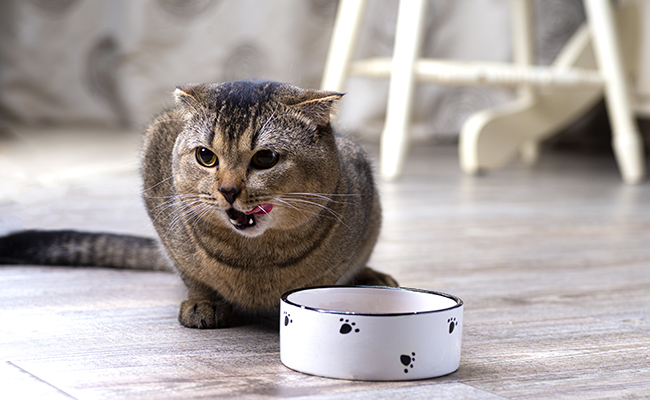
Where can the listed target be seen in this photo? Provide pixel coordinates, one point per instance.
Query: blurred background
(80, 79)
(114, 63)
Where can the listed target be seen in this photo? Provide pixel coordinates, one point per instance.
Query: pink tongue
(264, 208)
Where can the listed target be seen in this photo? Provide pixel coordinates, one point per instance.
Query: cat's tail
(73, 248)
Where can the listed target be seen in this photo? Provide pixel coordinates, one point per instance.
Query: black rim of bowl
(459, 302)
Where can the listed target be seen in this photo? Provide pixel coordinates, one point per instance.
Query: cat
(251, 193)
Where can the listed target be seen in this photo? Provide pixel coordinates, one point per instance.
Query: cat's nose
(229, 192)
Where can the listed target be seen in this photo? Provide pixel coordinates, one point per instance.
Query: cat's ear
(316, 104)
(188, 93)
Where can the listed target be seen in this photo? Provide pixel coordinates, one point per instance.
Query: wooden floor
(553, 264)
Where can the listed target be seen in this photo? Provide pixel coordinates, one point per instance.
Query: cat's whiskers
(291, 202)
(181, 211)
(170, 203)
(329, 196)
(159, 183)
(187, 206)
(323, 207)
(323, 196)
(199, 212)
(162, 207)
(292, 206)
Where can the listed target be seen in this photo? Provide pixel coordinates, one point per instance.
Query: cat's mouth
(244, 220)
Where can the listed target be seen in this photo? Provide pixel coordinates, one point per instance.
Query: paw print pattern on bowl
(347, 326)
(407, 361)
(287, 318)
(452, 324)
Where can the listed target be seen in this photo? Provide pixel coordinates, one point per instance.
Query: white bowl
(370, 333)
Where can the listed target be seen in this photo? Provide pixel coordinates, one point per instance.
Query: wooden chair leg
(627, 142)
(408, 39)
(523, 53)
(342, 44)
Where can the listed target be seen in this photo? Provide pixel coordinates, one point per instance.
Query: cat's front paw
(370, 277)
(204, 314)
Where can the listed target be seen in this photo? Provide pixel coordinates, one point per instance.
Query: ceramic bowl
(370, 333)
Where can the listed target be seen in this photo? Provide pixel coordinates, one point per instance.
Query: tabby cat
(251, 193)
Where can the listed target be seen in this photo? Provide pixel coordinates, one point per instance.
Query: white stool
(491, 138)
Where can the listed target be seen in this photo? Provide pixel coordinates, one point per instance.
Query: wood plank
(17, 383)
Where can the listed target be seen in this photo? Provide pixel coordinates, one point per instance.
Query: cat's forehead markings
(228, 139)
(222, 110)
(263, 123)
(262, 135)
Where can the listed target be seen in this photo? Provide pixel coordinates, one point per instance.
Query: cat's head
(255, 156)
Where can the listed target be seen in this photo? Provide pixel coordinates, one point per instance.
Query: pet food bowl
(370, 333)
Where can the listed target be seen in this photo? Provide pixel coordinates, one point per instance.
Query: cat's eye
(264, 159)
(206, 157)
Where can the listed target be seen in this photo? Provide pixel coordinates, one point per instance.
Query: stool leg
(627, 142)
(344, 38)
(523, 52)
(408, 38)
